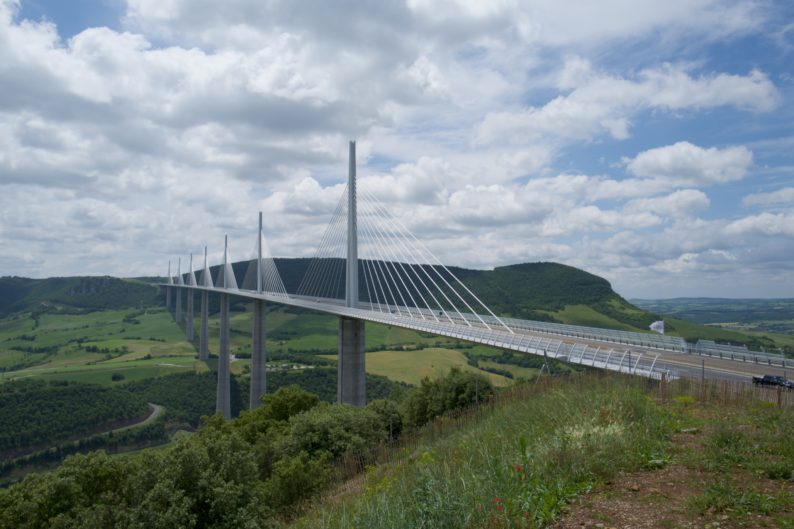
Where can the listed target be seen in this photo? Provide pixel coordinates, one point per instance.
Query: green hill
(536, 291)
(529, 290)
(73, 294)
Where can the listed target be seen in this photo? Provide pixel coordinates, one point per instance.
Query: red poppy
(495, 500)
(500, 507)
(517, 468)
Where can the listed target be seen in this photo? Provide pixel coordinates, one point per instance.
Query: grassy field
(585, 315)
(750, 334)
(133, 345)
(137, 344)
(92, 347)
(101, 373)
(518, 372)
(691, 331)
(412, 366)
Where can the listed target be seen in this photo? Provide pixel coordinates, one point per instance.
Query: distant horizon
(628, 298)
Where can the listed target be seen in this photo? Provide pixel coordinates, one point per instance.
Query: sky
(648, 142)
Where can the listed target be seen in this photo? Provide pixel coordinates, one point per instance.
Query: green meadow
(116, 346)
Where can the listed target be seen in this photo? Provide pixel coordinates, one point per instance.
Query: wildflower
(517, 468)
(495, 500)
(500, 507)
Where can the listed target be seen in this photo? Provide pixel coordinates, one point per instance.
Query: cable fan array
(397, 273)
(270, 282)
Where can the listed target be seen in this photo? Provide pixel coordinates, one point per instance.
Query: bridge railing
(620, 360)
(654, 341)
(623, 361)
(715, 350)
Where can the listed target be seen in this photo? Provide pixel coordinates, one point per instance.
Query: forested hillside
(73, 294)
(188, 396)
(528, 290)
(249, 472)
(37, 414)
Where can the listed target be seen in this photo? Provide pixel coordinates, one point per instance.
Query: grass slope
(586, 452)
(515, 464)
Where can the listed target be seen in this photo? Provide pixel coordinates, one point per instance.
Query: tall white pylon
(223, 401)
(351, 377)
(206, 281)
(191, 280)
(178, 313)
(168, 288)
(351, 294)
(258, 334)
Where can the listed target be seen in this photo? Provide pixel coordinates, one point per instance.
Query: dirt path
(157, 410)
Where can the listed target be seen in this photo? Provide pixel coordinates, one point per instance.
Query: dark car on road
(771, 380)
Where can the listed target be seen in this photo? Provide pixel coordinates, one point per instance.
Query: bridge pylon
(178, 310)
(223, 400)
(351, 378)
(168, 288)
(190, 313)
(259, 337)
(206, 281)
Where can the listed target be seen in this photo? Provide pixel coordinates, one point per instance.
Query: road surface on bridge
(677, 363)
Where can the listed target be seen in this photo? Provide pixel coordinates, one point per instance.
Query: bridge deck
(613, 352)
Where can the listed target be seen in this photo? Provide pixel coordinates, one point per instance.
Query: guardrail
(736, 354)
(624, 361)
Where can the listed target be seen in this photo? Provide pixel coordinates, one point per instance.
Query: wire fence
(724, 391)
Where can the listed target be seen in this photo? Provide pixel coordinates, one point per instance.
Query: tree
(456, 390)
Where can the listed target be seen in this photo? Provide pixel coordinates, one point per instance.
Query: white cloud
(683, 203)
(685, 164)
(763, 224)
(423, 182)
(781, 196)
(605, 103)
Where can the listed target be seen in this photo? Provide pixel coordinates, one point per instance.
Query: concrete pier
(223, 401)
(189, 316)
(258, 355)
(204, 350)
(351, 379)
(178, 311)
(168, 298)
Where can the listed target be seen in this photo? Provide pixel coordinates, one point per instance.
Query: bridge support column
(178, 311)
(168, 298)
(204, 350)
(258, 355)
(351, 380)
(189, 316)
(223, 401)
